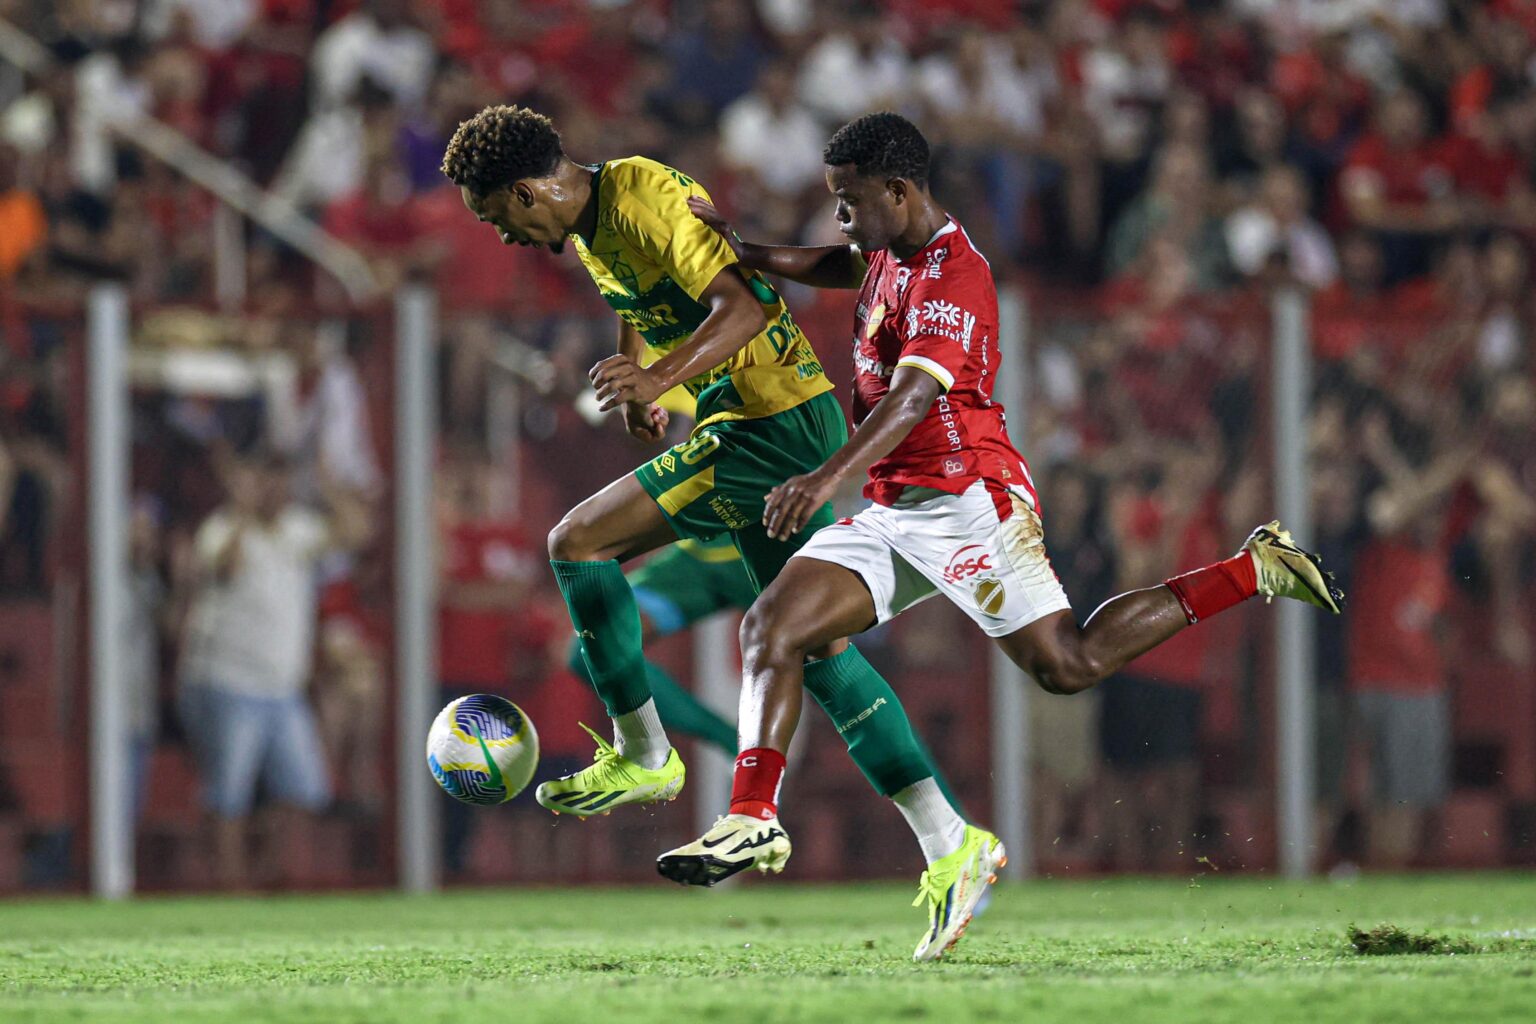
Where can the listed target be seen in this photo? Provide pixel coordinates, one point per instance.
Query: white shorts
(993, 568)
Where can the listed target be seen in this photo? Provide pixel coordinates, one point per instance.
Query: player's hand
(620, 379)
(706, 212)
(646, 421)
(791, 505)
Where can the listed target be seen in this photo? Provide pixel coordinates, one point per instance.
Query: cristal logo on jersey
(944, 319)
(967, 562)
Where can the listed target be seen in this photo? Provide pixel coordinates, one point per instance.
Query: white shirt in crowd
(400, 60)
(252, 634)
(783, 148)
(1254, 234)
(1007, 94)
(839, 83)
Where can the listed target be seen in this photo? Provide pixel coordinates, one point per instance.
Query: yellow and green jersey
(652, 259)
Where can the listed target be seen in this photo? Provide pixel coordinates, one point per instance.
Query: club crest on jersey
(933, 267)
(876, 317)
(954, 467)
(903, 277)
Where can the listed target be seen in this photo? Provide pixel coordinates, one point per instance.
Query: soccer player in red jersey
(955, 511)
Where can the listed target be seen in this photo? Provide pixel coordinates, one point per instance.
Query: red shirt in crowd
(1414, 176)
(475, 644)
(937, 311)
(1400, 590)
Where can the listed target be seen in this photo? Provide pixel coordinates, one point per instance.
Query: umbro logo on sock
(586, 634)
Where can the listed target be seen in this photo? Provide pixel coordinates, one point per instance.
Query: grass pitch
(1127, 950)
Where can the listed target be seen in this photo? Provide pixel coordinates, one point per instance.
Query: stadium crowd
(1150, 173)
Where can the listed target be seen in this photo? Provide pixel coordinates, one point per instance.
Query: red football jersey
(937, 311)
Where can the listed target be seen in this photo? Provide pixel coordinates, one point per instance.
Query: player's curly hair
(498, 146)
(884, 144)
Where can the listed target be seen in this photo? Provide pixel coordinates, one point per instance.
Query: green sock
(607, 626)
(680, 711)
(872, 722)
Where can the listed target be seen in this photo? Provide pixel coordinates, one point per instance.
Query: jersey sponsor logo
(947, 320)
(867, 364)
(967, 562)
(728, 513)
(933, 266)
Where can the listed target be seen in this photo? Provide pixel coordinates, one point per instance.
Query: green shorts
(689, 581)
(715, 482)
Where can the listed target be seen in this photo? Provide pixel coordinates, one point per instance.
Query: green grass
(1127, 951)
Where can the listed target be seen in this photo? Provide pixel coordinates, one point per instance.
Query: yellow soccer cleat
(735, 842)
(611, 780)
(1286, 570)
(953, 887)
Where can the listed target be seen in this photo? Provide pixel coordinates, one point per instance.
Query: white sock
(639, 736)
(939, 829)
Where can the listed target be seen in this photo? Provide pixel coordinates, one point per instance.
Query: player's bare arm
(820, 266)
(735, 318)
(792, 503)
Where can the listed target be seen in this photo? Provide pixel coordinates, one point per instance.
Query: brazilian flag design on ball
(482, 749)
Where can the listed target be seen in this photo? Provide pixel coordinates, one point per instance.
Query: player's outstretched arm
(820, 266)
(791, 504)
(735, 318)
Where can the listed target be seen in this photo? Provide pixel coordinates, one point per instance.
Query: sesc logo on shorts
(967, 562)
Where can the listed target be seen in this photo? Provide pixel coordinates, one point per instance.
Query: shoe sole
(1306, 568)
(665, 794)
(707, 870)
(970, 915)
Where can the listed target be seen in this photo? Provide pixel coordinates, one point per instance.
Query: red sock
(1215, 588)
(755, 786)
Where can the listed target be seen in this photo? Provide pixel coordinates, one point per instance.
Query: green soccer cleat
(735, 843)
(1286, 570)
(612, 780)
(953, 887)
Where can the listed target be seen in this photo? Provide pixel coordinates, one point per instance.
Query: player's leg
(585, 548)
(1066, 658)
(673, 590)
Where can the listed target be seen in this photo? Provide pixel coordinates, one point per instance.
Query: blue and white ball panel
(482, 749)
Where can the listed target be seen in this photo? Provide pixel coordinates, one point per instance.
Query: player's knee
(766, 637)
(568, 543)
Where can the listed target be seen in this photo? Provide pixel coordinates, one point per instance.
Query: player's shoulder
(642, 178)
(951, 261)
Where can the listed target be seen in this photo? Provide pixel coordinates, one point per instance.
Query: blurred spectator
(23, 224)
(716, 61)
(379, 41)
(1176, 208)
(771, 136)
(144, 626)
(246, 660)
(855, 68)
(1276, 233)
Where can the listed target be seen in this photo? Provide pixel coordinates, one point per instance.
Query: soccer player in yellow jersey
(765, 413)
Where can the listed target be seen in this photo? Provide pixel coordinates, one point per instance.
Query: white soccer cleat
(1287, 570)
(953, 888)
(735, 842)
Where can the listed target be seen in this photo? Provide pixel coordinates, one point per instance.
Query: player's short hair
(884, 144)
(500, 145)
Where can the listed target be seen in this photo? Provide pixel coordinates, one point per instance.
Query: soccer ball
(482, 749)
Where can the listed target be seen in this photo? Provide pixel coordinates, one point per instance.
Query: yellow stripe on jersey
(652, 259)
